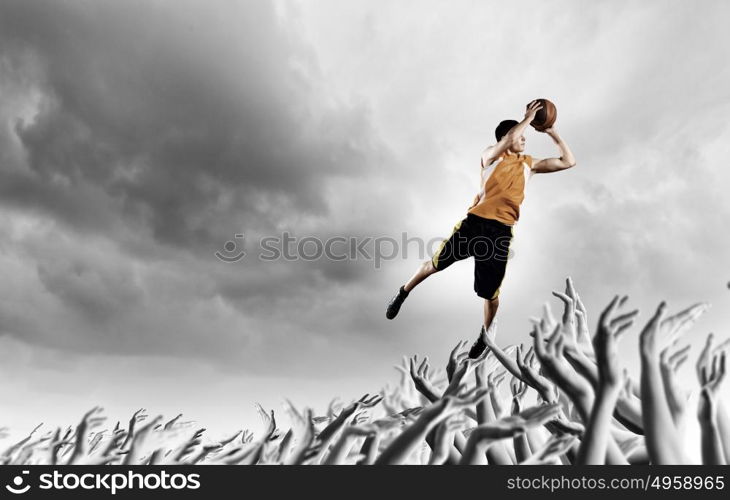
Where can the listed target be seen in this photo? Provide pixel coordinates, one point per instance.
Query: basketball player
(486, 232)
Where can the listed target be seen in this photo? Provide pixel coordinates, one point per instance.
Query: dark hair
(503, 128)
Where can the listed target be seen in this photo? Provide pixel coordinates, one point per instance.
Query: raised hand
(574, 322)
(610, 329)
(110, 453)
(494, 380)
(556, 367)
(662, 443)
(178, 455)
(402, 446)
(532, 109)
(709, 351)
(55, 444)
(137, 417)
(368, 401)
(443, 440)
(485, 435)
(169, 425)
(611, 378)
(556, 447)
(455, 357)
(631, 445)
(304, 448)
(668, 330)
(334, 407)
(338, 453)
(89, 421)
(531, 376)
(670, 360)
(564, 426)
(134, 452)
(462, 370)
(519, 390)
(421, 378)
(712, 376)
(674, 327)
(271, 433)
(7, 456)
(204, 452)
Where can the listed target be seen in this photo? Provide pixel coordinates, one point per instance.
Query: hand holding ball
(545, 117)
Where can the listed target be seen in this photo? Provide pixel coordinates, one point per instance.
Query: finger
(548, 313)
(623, 318)
(715, 366)
(569, 306)
(658, 315)
(679, 362)
(530, 357)
(678, 354)
(401, 369)
(721, 372)
(560, 346)
(570, 288)
(693, 312)
(539, 342)
(621, 329)
(722, 346)
(704, 354)
(554, 338)
(608, 311)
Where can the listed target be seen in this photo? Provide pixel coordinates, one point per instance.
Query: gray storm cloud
(157, 132)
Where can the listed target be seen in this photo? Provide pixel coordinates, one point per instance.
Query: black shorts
(488, 242)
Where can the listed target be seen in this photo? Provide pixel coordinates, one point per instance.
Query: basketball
(545, 118)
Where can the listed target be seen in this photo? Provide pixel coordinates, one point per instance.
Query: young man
(486, 232)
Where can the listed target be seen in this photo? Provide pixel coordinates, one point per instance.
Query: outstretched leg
(424, 271)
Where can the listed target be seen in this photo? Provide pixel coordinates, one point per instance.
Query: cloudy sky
(137, 138)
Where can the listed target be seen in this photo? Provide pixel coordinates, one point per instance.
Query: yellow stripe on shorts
(435, 258)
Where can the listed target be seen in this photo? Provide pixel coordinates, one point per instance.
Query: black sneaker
(395, 303)
(478, 346)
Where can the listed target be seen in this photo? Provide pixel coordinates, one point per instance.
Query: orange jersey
(503, 188)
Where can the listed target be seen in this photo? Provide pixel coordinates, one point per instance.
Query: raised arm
(493, 152)
(401, 447)
(566, 160)
(661, 440)
(595, 441)
(711, 377)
